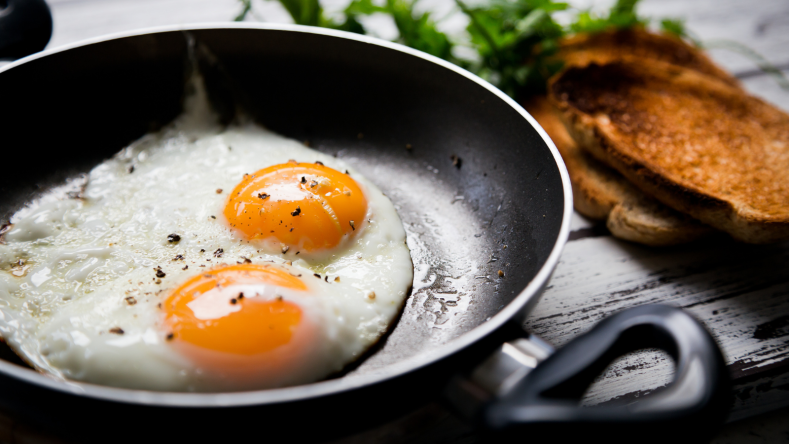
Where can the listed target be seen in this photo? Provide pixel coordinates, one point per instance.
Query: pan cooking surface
(456, 233)
(361, 102)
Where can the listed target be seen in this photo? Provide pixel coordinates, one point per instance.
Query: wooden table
(740, 292)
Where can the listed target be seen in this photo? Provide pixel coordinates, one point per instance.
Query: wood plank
(766, 88)
(76, 20)
(762, 25)
(740, 292)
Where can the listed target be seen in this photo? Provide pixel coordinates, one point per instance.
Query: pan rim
(333, 386)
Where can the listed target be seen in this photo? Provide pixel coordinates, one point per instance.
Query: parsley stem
(246, 7)
(528, 25)
(752, 55)
(475, 21)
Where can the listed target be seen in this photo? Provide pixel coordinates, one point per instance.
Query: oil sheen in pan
(448, 229)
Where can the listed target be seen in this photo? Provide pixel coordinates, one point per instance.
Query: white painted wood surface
(732, 288)
(741, 293)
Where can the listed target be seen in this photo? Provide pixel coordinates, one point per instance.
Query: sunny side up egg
(203, 258)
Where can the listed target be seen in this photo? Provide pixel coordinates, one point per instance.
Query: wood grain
(761, 25)
(740, 292)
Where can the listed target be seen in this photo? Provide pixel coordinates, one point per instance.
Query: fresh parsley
(415, 30)
(515, 40)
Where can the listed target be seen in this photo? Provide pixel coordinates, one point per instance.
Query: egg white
(80, 261)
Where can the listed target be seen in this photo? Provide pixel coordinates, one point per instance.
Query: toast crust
(596, 191)
(607, 46)
(649, 222)
(599, 192)
(695, 143)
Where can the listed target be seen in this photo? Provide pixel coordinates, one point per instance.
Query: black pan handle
(691, 408)
(25, 27)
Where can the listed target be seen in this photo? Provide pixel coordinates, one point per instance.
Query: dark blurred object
(547, 400)
(25, 27)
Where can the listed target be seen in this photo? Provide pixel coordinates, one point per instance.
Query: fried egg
(204, 258)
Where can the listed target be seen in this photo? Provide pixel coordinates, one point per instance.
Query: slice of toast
(692, 141)
(603, 47)
(600, 192)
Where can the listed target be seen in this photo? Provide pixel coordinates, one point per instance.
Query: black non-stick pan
(481, 189)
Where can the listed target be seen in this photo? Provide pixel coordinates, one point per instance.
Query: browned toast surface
(695, 143)
(582, 49)
(600, 192)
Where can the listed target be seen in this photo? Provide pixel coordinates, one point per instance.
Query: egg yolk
(235, 309)
(304, 206)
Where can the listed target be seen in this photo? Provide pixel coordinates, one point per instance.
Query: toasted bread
(600, 192)
(603, 47)
(692, 141)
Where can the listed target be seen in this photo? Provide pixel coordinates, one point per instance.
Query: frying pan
(364, 100)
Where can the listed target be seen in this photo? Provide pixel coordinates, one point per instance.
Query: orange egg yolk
(223, 309)
(304, 206)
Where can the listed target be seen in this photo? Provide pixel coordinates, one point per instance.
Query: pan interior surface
(476, 186)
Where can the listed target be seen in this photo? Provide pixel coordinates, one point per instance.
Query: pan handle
(25, 27)
(693, 407)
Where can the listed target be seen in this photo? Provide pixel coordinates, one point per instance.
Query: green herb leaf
(246, 6)
(305, 12)
(363, 7)
(514, 39)
(418, 30)
(673, 26)
(621, 16)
